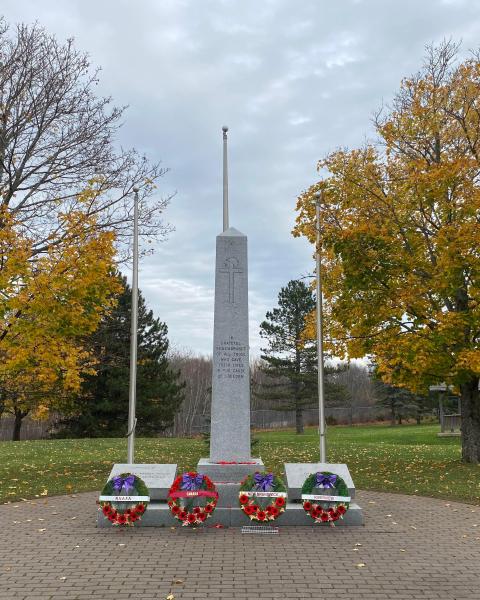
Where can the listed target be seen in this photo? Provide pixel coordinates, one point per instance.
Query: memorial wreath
(262, 497)
(182, 495)
(124, 499)
(325, 508)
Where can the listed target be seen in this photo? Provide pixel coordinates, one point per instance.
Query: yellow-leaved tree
(50, 300)
(400, 230)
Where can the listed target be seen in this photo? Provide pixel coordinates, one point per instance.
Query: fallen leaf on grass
(178, 581)
(170, 597)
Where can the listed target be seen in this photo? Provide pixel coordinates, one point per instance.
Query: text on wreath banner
(124, 499)
(264, 494)
(193, 493)
(326, 498)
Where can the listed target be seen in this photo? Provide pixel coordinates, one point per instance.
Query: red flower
(315, 513)
(248, 509)
(331, 510)
(280, 501)
(255, 508)
(208, 508)
(175, 509)
(133, 518)
(307, 505)
(140, 508)
(111, 517)
(202, 516)
(324, 517)
(191, 518)
(243, 499)
(335, 515)
(274, 511)
(170, 503)
(183, 515)
(197, 510)
(121, 519)
(341, 509)
(261, 515)
(107, 509)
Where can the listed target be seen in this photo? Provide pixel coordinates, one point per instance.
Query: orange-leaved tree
(400, 230)
(48, 302)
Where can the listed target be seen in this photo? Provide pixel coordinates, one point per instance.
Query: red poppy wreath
(329, 506)
(124, 499)
(192, 498)
(262, 497)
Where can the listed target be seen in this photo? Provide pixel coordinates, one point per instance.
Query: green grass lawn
(410, 459)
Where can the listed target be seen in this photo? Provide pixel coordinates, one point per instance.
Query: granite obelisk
(230, 417)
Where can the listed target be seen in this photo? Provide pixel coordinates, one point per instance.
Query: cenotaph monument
(230, 457)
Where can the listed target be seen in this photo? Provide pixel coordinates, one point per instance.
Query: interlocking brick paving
(411, 548)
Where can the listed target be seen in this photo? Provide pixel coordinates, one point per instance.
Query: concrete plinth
(158, 478)
(296, 473)
(158, 515)
(231, 473)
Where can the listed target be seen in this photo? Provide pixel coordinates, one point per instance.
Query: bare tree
(57, 138)
(196, 372)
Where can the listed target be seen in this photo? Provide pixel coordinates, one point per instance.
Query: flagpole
(225, 179)
(320, 365)
(132, 392)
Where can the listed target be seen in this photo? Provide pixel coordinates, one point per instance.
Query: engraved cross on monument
(231, 268)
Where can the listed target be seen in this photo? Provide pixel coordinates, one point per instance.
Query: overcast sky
(292, 80)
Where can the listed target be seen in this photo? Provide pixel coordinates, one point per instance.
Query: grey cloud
(292, 81)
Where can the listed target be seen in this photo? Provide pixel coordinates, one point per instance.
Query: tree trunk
(470, 399)
(299, 419)
(393, 419)
(399, 418)
(17, 426)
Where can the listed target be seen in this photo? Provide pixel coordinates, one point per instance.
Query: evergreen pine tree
(102, 407)
(290, 361)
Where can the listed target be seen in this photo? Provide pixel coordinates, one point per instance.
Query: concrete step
(158, 515)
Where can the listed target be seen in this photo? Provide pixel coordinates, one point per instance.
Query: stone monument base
(227, 478)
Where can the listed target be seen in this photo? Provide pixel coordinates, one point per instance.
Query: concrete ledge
(157, 477)
(295, 516)
(158, 515)
(227, 494)
(229, 473)
(296, 473)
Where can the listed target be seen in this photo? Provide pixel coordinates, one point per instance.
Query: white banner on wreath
(325, 498)
(264, 494)
(124, 499)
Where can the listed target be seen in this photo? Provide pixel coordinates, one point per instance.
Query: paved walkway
(410, 548)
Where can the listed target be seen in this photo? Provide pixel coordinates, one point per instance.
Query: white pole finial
(225, 179)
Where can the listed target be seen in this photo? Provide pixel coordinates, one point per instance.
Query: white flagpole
(320, 366)
(132, 392)
(225, 179)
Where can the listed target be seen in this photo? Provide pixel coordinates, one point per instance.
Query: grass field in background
(410, 459)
